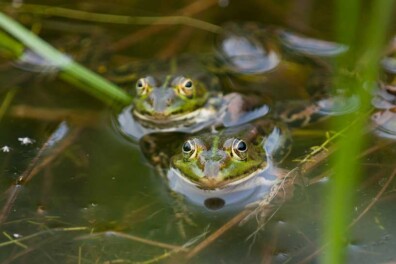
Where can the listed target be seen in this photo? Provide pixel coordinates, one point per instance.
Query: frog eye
(239, 149)
(189, 149)
(188, 84)
(186, 87)
(142, 86)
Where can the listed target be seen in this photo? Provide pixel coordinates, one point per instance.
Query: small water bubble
(282, 222)
(113, 178)
(17, 235)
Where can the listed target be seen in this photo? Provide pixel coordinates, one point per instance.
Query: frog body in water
(180, 96)
(226, 169)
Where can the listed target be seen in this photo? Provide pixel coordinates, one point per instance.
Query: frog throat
(227, 183)
(208, 110)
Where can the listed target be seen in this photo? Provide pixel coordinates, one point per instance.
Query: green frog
(180, 96)
(254, 71)
(223, 169)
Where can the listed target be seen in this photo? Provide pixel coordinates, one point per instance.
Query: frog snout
(160, 100)
(212, 163)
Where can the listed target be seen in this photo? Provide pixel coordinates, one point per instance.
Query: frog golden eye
(142, 86)
(189, 149)
(186, 87)
(239, 149)
(188, 84)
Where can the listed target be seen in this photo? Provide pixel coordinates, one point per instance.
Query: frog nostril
(213, 156)
(219, 156)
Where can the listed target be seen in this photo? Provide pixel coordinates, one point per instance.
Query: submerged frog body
(229, 168)
(185, 99)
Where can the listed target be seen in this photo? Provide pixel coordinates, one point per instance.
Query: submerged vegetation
(73, 171)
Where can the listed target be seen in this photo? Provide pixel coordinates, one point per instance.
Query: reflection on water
(85, 193)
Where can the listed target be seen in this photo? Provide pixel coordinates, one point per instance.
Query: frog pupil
(188, 84)
(187, 147)
(241, 146)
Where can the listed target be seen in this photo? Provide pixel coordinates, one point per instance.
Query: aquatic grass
(7, 102)
(364, 60)
(70, 71)
(40, 233)
(117, 19)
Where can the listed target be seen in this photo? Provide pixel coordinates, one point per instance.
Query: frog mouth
(209, 184)
(196, 115)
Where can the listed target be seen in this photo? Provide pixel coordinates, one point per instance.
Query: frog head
(214, 161)
(167, 100)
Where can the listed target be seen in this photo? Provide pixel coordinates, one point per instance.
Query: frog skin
(186, 99)
(172, 100)
(232, 167)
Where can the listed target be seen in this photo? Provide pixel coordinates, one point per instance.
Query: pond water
(76, 189)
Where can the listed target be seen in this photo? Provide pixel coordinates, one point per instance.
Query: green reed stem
(70, 71)
(346, 166)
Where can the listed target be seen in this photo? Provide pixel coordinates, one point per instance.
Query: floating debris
(26, 141)
(6, 149)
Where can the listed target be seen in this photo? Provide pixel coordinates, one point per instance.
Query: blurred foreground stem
(346, 167)
(70, 71)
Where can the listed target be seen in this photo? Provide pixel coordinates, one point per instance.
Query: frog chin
(210, 184)
(166, 119)
(231, 196)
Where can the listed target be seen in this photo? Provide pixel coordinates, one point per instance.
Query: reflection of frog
(293, 70)
(231, 167)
